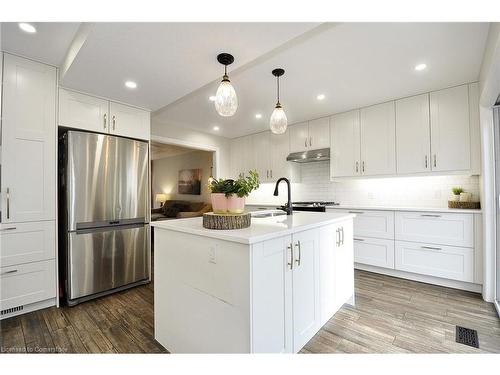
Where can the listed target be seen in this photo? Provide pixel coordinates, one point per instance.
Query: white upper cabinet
(261, 151)
(310, 135)
(28, 141)
(450, 130)
(319, 133)
(129, 121)
(242, 159)
(299, 137)
(378, 140)
(345, 144)
(81, 111)
(413, 137)
(280, 149)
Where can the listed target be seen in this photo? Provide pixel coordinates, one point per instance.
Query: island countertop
(261, 229)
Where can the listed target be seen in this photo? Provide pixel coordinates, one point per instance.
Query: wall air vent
(11, 310)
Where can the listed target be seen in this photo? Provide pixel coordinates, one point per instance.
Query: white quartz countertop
(261, 229)
(399, 208)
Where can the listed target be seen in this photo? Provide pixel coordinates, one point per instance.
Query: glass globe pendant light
(278, 122)
(226, 101)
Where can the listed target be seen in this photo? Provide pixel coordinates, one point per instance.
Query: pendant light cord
(278, 81)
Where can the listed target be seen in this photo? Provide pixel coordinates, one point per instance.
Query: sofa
(178, 209)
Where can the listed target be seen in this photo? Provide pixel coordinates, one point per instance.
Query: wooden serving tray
(226, 221)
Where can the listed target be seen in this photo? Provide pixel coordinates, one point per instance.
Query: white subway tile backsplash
(425, 191)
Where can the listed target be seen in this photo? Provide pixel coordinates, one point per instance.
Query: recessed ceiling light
(216, 128)
(212, 98)
(27, 27)
(320, 97)
(258, 115)
(131, 84)
(420, 67)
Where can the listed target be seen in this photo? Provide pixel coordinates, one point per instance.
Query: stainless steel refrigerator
(104, 211)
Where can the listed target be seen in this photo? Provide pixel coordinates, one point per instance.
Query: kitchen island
(267, 288)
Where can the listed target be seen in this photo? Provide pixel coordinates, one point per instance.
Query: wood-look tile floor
(391, 316)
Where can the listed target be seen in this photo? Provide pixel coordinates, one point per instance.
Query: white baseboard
(477, 288)
(31, 307)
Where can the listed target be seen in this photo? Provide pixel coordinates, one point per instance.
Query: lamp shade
(160, 198)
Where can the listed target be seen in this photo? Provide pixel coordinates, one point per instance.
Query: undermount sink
(268, 214)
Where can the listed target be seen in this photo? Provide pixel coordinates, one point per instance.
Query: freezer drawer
(106, 259)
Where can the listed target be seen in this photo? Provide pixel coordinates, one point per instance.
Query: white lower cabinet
(27, 283)
(374, 252)
(27, 242)
(450, 262)
(299, 282)
(305, 287)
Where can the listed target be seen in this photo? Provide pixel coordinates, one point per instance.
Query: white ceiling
(162, 150)
(175, 67)
(353, 64)
(49, 44)
(167, 60)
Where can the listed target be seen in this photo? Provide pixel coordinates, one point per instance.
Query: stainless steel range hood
(309, 156)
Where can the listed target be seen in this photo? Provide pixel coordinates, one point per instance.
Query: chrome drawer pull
(429, 215)
(431, 248)
(290, 264)
(300, 255)
(6, 229)
(358, 239)
(7, 272)
(356, 212)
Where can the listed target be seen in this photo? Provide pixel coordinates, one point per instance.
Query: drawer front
(27, 283)
(449, 262)
(371, 223)
(373, 251)
(436, 228)
(27, 242)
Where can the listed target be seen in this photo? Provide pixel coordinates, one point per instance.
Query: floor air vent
(467, 336)
(11, 310)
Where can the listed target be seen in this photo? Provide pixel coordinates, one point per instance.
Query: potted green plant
(228, 196)
(456, 194)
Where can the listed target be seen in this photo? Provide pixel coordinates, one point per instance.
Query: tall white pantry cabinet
(28, 186)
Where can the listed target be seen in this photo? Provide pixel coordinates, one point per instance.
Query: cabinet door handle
(358, 239)
(429, 215)
(337, 237)
(114, 122)
(342, 231)
(435, 160)
(271, 173)
(290, 264)
(356, 212)
(105, 120)
(300, 255)
(267, 173)
(357, 167)
(310, 141)
(431, 248)
(8, 203)
(426, 166)
(305, 142)
(7, 272)
(363, 166)
(6, 229)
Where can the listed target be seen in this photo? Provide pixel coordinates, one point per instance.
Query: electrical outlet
(212, 254)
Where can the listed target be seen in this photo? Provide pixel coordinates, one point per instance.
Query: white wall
(429, 191)
(165, 175)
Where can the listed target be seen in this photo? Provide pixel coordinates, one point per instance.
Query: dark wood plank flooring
(391, 316)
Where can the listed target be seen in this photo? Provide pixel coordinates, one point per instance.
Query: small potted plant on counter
(228, 196)
(456, 194)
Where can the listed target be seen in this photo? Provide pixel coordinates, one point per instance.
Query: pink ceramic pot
(219, 203)
(235, 204)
